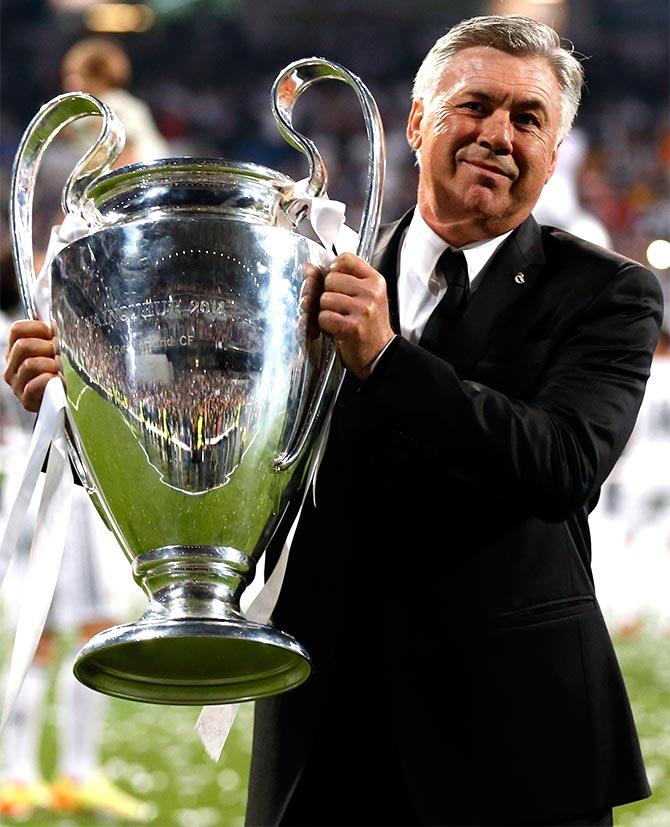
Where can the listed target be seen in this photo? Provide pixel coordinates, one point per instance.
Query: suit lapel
(385, 261)
(507, 281)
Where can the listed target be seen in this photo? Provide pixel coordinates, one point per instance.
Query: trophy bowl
(196, 397)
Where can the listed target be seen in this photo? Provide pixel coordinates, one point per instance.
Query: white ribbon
(327, 220)
(215, 722)
(46, 551)
(39, 583)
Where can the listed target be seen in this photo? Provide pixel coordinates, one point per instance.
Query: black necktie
(453, 267)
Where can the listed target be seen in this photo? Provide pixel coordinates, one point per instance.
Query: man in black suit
(463, 673)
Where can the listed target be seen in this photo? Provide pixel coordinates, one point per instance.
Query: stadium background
(205, 68)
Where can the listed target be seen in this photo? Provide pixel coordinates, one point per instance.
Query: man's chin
(487, 202)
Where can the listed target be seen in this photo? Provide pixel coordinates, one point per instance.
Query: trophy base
(192, 662)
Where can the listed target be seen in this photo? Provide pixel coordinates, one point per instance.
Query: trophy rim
(245, 661)
(178, 185)
(194, 164)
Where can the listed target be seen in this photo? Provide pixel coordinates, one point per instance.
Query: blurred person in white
(80, 607)
(101, 67)
(643, 467)
(560, 204)
(641, 483)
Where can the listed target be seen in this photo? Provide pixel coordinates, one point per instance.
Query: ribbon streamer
(46, 553)
(48, 543)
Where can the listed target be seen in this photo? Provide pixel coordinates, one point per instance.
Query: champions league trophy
(196, 396)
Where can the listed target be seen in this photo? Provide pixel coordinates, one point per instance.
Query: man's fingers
(340, 303)
(312, 281)
(31, 399)
(366, 293)
(31, 368)
(24, 349)
(352, 265)
(337, 325)
(308, 305)
(336, 282)
(28, 329)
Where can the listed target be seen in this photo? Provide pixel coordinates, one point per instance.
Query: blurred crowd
(207, 82)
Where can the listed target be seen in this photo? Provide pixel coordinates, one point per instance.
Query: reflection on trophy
(196, 396)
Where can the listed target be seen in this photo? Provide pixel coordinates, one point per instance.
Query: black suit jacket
(442, 583)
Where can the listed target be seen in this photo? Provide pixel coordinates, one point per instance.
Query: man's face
(487, 141)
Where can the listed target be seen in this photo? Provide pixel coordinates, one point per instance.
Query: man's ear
(414, 124)
(552, 163)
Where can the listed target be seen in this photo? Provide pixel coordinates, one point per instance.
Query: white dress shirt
(420, 288)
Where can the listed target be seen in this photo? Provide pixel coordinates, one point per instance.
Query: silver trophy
(197, 394)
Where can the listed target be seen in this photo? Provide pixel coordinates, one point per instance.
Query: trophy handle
(43, 128)
(286, 90)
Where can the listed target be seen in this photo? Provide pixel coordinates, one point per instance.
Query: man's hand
(31, 361)
(354, 311)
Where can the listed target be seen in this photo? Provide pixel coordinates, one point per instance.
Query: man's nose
(495, 133)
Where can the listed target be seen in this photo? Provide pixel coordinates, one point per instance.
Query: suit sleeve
(554, 450)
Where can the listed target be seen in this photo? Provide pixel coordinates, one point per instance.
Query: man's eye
(528, 119)
(473, 106)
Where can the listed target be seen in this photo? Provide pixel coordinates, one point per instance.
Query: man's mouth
(491, 168)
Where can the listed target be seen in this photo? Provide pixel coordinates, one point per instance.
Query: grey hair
(515, 35)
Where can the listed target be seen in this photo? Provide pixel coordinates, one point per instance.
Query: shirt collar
(422, 247)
